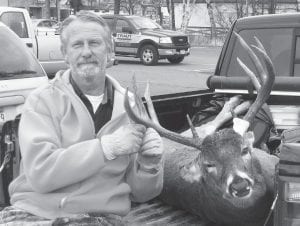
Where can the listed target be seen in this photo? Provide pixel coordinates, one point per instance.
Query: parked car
(20, 73)
(45, 48)
(143, 38)
(45, 26)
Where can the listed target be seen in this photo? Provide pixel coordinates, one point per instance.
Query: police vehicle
(142, 38)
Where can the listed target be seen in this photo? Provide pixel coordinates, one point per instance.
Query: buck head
(227, 170)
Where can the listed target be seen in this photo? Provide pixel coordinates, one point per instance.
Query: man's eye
(95, 43)
(76, 45)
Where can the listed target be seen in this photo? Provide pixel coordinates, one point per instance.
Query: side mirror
(127, 30)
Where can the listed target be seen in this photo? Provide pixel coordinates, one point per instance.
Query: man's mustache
(88, 62)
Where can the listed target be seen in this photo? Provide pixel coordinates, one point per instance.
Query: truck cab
(142, 38)
(45, 47)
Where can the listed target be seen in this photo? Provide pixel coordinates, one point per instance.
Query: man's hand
(125, 140)
(150, 155)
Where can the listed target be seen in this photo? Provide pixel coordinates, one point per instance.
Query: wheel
(175, 59)
(149, 55)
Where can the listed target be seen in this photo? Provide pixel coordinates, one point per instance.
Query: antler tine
(162, 131)
(138, 101)
(151, 110)
(194, 132)
(253, 57)
(252, 76)
(267, 80)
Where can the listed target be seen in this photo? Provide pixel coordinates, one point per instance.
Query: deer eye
(210, 167)
(245, 151)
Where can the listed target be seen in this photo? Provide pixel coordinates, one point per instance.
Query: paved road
(165, 78)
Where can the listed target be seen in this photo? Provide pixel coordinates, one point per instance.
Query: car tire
(149, 55)
(175, 59)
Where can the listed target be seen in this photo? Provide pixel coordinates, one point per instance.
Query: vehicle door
(18, 23)
(126, 37)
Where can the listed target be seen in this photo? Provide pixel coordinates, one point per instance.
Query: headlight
(166, 40)
(292, 192)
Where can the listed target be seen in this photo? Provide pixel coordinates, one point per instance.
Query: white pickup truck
(45, 48)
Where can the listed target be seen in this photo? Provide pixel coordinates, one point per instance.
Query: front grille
(180, 40)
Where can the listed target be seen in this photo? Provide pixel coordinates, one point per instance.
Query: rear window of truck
(278, 45)
(16, 59)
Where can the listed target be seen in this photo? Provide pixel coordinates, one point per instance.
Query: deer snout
(239, 185)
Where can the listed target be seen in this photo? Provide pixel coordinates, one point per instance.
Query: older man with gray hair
(81, 155)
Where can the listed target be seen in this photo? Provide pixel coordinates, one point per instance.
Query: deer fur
(205, 193)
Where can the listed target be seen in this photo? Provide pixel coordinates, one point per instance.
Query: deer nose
(240, 187)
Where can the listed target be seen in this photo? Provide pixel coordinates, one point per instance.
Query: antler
(263, 86)
(266, 78)
(150, 120)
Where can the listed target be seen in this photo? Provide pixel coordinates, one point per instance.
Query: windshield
(278, 45)
(144, 23)
(16, 59)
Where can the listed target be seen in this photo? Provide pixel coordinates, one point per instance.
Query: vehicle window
(120, 25)
(144, 23)
(52, 23)
(16, 22)
(297, 58)
(20, 62)
(110, 23)
(278, 44)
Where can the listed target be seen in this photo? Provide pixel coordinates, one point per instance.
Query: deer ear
(191, 172)
(249, 138)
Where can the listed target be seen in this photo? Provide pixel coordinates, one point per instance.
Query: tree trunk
(160, 15)
(47, 9)
(58, 10)
(187, 9)
(173, 15)
(212, 21)
(262, 7)
(247, 8)
(117, 4)
(272, 7)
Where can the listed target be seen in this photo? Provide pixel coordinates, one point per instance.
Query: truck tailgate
(157, 213)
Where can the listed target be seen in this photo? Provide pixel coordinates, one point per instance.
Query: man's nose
(86, 51)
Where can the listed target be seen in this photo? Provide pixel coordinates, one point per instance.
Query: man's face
(85, 49)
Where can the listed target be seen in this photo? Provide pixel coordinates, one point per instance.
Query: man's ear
(249, 138)
(191, 172)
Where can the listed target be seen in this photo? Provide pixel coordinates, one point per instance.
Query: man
(80, 153)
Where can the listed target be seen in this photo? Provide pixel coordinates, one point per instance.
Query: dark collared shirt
(104, 111)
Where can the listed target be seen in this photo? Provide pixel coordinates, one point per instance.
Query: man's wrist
(107, 148)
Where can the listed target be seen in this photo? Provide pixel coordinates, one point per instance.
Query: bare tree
(272, 6)
(223, 20)
(188, 6)
(130, 5)
(47, 9)
(212, 20)
(171, 10)
(117, 6)
(57, 10)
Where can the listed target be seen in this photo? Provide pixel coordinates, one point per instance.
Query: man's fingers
(154, 151)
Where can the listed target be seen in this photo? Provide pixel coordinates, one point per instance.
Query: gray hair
(86, 16)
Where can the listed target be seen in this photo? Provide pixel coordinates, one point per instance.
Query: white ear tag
(240, 126)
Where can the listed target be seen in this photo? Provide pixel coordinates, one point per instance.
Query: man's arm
(47, 164)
